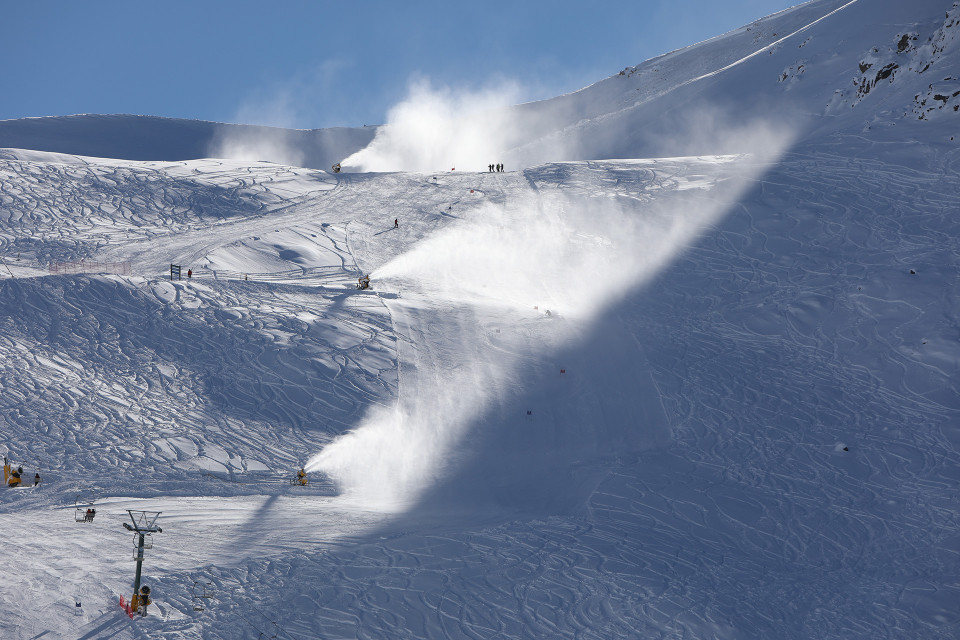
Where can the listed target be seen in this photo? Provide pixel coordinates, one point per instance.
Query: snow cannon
(336, 168)
(12, 478)
(301, 478)
(143, 601)
(363, 282)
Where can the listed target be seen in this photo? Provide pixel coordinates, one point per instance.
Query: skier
(189, 273)
(396, 223)
(36, 479)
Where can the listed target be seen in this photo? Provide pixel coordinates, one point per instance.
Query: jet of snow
(440, 129)
(573, 257)
(254, 145)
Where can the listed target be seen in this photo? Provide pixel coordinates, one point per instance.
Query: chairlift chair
(147, 544)
(200, 593)
(147, 541)
(84, 510)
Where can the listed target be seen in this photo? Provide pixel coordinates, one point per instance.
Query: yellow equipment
(363, 282)
(141, 601)
(11, 478)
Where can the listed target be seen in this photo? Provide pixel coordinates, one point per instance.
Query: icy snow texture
(739, 418)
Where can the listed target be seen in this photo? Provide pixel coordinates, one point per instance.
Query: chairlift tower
(144, 525)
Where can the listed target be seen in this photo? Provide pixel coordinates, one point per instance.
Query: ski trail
(768, 47)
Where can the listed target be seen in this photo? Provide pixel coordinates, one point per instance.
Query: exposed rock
(883, 64)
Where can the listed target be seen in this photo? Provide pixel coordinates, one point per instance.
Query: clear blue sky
(321, 63)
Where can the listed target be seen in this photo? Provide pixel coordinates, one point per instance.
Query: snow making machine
(363, 282)
(301, 479)
(17, 477)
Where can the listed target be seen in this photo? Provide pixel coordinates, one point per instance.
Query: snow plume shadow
(544, 269)
(441, 129)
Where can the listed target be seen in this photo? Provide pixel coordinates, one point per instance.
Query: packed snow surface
(669, 395)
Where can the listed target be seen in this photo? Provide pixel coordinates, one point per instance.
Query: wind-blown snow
(433, 130)
(705, 389)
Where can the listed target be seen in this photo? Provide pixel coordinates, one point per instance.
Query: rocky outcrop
(912, 52)
(942, 96)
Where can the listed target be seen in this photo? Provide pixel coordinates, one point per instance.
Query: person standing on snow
(396, 223)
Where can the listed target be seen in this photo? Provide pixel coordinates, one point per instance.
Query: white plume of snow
(254, 145)
(437, 129)
(575, 255)
(742, 402)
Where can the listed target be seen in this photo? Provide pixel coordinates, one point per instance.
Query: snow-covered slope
(132, 137)
(809, 70)
(706, 396)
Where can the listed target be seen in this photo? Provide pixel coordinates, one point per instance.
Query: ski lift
(147, 544)
(201, 592)
(84, 510)
(147, 541)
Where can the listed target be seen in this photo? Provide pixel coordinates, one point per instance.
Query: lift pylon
(144, 524)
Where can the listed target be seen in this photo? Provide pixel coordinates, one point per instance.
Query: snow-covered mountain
(129, 137)
(687, 369)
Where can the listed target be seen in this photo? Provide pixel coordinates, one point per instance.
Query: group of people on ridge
(495, 167)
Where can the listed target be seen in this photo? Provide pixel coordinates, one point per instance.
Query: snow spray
(574, 255)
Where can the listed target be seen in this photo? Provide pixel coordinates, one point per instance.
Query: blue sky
(321, 64)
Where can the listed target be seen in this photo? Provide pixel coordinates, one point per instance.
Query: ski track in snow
(792, 328)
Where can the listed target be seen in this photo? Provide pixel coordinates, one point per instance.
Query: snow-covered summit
(805, 69)
(137, 137)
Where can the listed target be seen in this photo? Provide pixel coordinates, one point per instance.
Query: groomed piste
(686, 368)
